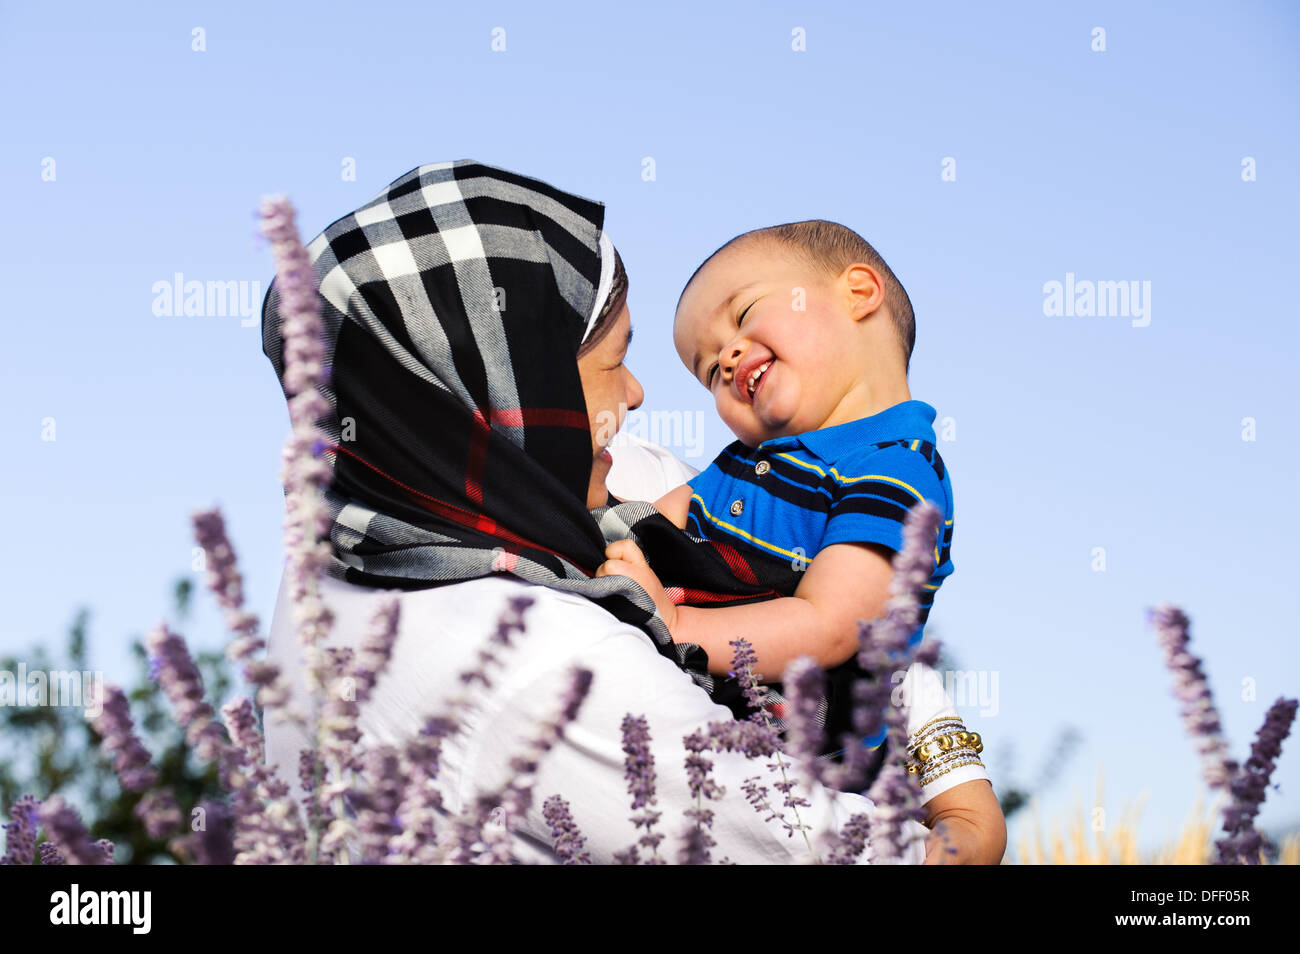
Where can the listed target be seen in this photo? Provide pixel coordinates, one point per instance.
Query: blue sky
(1066, 433)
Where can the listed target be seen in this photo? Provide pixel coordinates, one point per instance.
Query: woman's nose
(635, 394)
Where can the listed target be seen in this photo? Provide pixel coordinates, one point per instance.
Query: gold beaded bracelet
(962, 739)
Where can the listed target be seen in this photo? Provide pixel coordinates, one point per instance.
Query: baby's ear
(866, 290)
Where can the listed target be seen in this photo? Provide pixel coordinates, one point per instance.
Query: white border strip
(606, 281)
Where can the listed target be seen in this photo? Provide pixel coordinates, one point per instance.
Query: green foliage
(54, 749)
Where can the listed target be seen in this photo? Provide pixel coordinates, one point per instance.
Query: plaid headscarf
(453, 306)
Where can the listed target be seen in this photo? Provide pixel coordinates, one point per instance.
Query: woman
(476, 326)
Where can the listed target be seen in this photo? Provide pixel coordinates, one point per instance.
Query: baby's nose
(730, 363)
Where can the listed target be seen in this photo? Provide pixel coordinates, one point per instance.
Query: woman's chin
(597, 492)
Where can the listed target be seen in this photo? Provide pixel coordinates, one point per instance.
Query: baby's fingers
(614, 568)
(625, 550)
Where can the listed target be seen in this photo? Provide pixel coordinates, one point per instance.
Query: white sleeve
(941, 750)
(587, 767)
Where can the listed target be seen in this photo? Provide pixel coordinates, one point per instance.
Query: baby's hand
(624, 558)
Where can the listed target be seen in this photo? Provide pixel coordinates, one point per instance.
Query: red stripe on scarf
(508, 560)
(476, 457)
(740, 567)
(684, 594)
(539, 417)
(466, 518)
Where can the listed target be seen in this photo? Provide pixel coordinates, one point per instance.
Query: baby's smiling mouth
(756, 377)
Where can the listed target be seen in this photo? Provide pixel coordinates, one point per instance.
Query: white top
(440, 631)
(643, 470)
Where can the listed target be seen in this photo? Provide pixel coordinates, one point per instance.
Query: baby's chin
(753, 432)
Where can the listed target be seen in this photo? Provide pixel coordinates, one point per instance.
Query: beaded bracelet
(941, 752)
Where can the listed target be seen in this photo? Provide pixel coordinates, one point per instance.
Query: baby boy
(803, 335)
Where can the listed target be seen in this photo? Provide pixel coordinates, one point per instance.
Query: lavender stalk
(1200, 717)
(20, 833)
(305, 473)
(568, 839)
(1243, 843)
(639, 770)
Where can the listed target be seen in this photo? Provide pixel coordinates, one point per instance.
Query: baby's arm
(845, 583)
(675, 505)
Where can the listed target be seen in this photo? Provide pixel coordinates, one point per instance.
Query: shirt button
(737, 507)
(762, 467)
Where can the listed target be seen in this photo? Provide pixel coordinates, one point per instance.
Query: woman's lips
(606, 456)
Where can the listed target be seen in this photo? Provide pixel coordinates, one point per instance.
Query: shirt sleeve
(870, 503)
(941, 751)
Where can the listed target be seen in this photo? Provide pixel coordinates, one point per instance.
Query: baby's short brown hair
(830, 248)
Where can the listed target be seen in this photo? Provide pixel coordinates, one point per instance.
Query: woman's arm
(963, 812)
(441, 631)
(587, 767)
(968, 826)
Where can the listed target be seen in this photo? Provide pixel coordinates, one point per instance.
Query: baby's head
(814, 311)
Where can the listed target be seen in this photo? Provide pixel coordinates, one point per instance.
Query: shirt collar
(906, 421)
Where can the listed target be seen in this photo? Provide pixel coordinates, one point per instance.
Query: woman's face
(611, 391)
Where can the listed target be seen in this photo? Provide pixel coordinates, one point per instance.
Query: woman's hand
(624, 558)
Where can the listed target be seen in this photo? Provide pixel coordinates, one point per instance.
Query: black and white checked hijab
(454, 303)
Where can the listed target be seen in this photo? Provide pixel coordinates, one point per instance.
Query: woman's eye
(740, 320)
(712, 371)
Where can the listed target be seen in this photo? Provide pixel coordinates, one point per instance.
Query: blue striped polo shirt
(850, 483)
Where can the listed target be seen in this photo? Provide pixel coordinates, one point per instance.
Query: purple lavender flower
(743, 662)
(851, 841)
(805, 686)
(756, 793)
(108, 848)
(159, 813)
(896, 795)
(183, 685)
(1200, 717)
(568, 839)
(20, 833)
(131, 759)
(886, 647)
(226, 582)
(50, 854)
(475, 844)
(376, 648)
(421, 805)
(510, 622)
(698, 841)
(213, 843)
(268, 826)
(304, 474)
(1243, 842)
(63, 826)
(376, 804)
(421, 802)
(639, 770)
